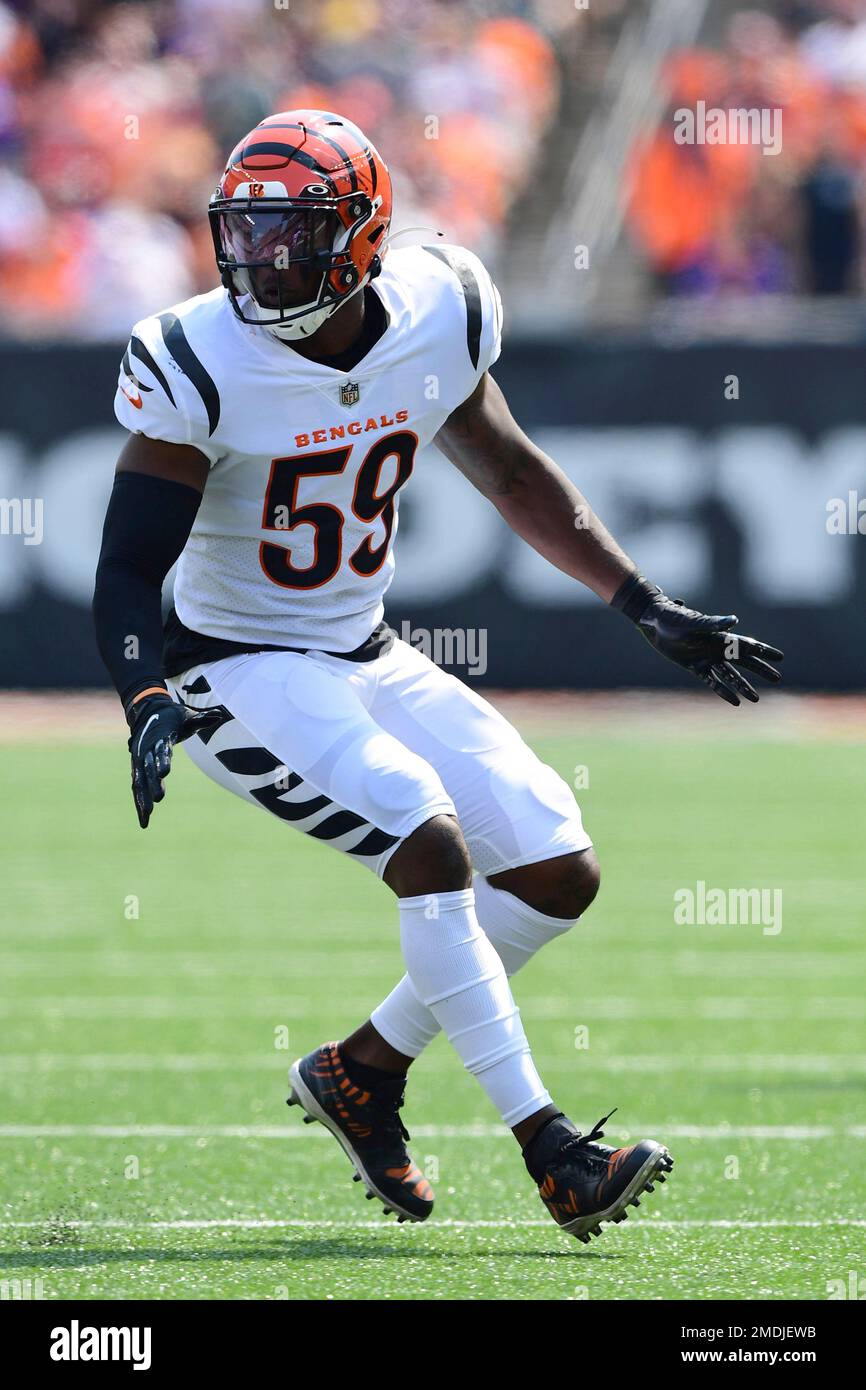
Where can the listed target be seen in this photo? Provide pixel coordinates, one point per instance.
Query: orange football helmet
(300, 220)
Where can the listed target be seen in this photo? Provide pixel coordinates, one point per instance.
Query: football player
(273, 423)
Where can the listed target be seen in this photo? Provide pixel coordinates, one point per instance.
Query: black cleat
(367, 1125)
(583, 1183)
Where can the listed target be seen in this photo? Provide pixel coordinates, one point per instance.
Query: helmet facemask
(285, 261)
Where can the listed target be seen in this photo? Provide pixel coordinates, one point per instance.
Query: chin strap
(298, 330)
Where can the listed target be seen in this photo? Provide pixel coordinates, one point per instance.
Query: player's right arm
(157, 490)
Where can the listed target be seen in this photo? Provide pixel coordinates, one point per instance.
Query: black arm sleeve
(147, 525)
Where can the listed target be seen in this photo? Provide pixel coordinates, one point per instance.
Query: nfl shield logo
(350, 393)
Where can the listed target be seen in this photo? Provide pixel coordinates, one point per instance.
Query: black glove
(158, 722)
(702, 644)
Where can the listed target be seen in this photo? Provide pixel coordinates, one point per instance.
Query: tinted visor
(277, 238)
(281, 256)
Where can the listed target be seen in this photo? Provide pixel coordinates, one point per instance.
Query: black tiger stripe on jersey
(221, 716)
(137, 348)
(471, 294)
(288, 810)
(375, 843)
(334, 821)
(337, 824)
(127, 367)
(178, 345)
(198, 687)
(249, 762)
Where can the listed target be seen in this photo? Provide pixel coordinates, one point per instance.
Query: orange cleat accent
(583, 1183)
(367, 1126)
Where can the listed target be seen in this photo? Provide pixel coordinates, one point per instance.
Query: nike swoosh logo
(146, 727)
(133, 400)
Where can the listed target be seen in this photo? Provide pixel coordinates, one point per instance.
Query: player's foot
(583, 1183)
(368, 1126)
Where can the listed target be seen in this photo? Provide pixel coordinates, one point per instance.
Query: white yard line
(157, 1006)
(745, 959)
(833, 1064)
(264, 1224)
(203, 964)
(747, 1008)
(795, 1133)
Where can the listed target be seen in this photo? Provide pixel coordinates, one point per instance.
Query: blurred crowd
(116, 120)
(727, 218)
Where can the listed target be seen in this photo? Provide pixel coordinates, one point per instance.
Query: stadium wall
(732, 473)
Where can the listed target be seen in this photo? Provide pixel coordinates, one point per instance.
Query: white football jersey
(292, 544)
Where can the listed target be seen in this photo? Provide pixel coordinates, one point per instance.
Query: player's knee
(433, 859)
(571, 886)
(562, 887)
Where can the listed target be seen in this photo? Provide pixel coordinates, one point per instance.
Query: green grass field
(145, 1146)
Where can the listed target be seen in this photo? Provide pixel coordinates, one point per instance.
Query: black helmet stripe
(178, 346)
(365, 151)
(347, 158)
(309, 130)
(289, 152)
(303, 157)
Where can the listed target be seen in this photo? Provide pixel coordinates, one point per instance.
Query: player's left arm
(542, 505)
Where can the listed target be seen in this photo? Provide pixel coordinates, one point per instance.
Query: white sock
(457, 975)
(517, 932)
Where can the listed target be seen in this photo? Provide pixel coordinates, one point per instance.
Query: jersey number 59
(281, 512)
